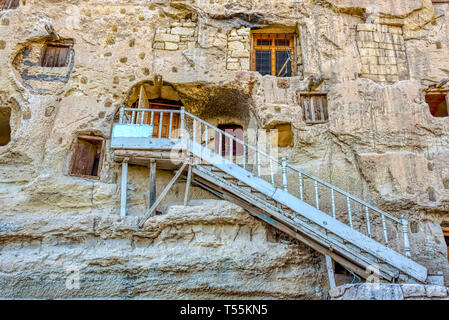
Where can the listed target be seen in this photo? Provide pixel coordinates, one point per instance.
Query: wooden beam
(189, 180)
(150, 211)
(330, 271)
(296, 235)
(124, 187)
(152, 192)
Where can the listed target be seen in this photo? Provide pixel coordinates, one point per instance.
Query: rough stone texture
(380, 143)
(382, 53)
(383, 291)
(211, 249)
(239, 46)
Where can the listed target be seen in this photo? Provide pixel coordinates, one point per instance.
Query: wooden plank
(152, 191)
(189, 180)
(305, 104)
(321, 108)
(150, 212)
(143, 104)
(283, 228)
(282, 223)
(330, 271)
(124, 187)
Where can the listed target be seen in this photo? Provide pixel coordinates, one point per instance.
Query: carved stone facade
(371, 62)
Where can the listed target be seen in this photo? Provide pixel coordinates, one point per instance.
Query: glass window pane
(263, 61)
(264, 42)
(281, 59)
(282, 42)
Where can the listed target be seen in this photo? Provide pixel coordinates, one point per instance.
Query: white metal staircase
(352, 232)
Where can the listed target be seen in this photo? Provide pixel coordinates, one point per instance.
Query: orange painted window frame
(273, 48)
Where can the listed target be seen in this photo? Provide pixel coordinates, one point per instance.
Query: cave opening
(5, 127)
(437, 105)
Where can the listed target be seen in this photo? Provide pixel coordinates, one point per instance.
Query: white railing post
(258, 162)
(194, 131)
(405, 234)
(271, 172)
(124, 186)
(284, 174)
(384, 227)
(122, 113)
(244, 157)
(300, 186)
(161, 115)
(182, 122)
(333, 203)
(317, 199)
(368, 224)
(170, 125)
(348, 201)
(231, 151)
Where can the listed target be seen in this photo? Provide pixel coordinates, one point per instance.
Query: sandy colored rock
(376, 59)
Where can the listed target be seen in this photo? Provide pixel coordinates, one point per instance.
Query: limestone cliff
(375, 60)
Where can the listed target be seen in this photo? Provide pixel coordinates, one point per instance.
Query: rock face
(373, 60)
(211, 249)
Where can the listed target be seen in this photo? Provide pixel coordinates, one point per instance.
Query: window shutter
(314, 107)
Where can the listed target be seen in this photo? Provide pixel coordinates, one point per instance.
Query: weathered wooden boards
(151, 211)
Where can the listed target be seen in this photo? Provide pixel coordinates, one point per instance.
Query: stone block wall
(180, 35)
(238, 50)
(382, 53)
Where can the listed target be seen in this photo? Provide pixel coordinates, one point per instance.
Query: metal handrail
(296, 169)
(285, 165)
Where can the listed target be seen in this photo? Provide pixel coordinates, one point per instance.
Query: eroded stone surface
(211, 249)
(380, 143)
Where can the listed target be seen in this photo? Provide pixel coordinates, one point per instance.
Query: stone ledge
(385, 291)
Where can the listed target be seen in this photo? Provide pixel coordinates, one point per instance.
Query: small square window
(315, 108)
(437, 105)
(273, 54)
(9, 4)
(87, 157)
(55, 56)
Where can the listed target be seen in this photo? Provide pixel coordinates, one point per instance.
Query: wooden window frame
(100, 162)
(273, 48)
(63, 44)
(326, 109)
(6, 4)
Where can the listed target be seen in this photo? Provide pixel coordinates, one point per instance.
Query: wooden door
(237, 148)
(176, 122)
(84, 158)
